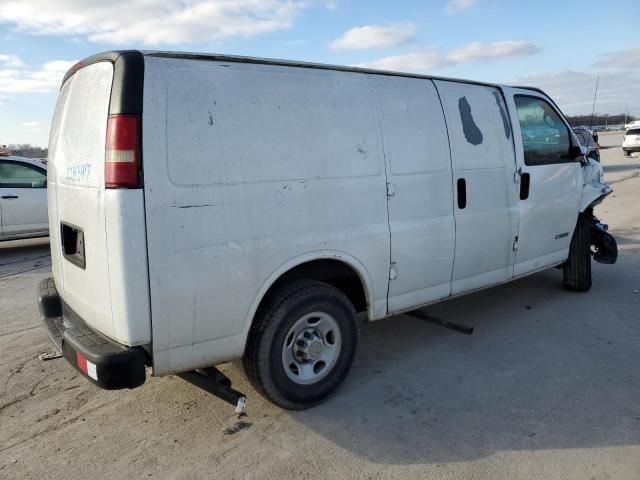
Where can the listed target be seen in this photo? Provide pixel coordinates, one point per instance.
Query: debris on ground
(52, 355)
(236, 427)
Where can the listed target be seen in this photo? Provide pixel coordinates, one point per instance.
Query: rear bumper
(104, 362)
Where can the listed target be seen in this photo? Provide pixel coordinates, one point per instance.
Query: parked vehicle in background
(588, 142)
(631, 141)
(23, 198)
(220, 207)
(634, 124)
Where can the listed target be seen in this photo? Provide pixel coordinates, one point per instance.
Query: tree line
(25, 150)
(599, 119)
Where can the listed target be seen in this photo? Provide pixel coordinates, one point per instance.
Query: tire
(627, 153)
(576, 270)
(277, 325)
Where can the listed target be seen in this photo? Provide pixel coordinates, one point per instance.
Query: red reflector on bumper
(81, 362)
(86, 367)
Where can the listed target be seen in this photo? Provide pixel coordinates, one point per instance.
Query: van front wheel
(302, 344)
(576, 269)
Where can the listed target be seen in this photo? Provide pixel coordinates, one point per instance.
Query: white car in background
(631, 141)
(23, 198)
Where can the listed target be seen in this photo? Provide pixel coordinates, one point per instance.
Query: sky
(556, 45)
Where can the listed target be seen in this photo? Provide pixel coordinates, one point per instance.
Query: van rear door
(98, 243)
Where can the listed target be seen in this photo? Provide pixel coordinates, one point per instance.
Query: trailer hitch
(216, 383)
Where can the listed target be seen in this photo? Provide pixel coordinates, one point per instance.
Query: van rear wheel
(302, 344)
(577, 268)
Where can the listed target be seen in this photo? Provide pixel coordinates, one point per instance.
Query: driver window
(545, 137)
(14, 175)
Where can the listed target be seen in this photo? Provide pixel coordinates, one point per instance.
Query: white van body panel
(482, 155)
(416, 149)
(240, 180)
(127, 253)
(548, 217)
(111, 292)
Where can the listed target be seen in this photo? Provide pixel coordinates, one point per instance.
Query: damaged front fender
(594, 188)
(594, 191)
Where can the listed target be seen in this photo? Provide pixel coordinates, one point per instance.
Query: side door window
(545, 137)
(15, 175)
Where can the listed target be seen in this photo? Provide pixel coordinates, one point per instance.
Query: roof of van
(296, 63)
(113, 55)
(214, 57)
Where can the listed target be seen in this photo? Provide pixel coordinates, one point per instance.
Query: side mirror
(576, 151)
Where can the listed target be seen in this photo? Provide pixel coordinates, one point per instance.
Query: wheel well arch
(332, 271)
(347, 276)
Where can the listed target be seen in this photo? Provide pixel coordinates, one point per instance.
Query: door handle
(8, 197)
(462, 193)
(525, 182)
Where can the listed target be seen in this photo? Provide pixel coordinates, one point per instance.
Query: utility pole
(595, 95)
(626, 107)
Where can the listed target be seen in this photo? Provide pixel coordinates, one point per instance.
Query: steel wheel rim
(311, 348)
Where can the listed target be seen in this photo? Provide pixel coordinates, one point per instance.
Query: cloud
(618, 88)
(10, 61)
(623, 59)
(478, 51)
(429, 58)
(45, 79)
(30, 124)
(161, 22)
(375, 36)
(457, 6)
(573, 91)
(408, 62)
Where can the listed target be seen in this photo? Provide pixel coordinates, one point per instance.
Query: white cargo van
(206, 208)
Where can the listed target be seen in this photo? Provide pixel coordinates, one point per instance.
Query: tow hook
(606, 248)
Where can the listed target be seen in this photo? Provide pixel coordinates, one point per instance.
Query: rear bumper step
(104, 362)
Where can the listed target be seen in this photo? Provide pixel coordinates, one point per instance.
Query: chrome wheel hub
(311, 348)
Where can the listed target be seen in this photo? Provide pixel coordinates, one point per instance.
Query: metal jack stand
(442, 323)
(216, 383)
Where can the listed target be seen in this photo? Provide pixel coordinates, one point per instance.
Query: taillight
(122, 156)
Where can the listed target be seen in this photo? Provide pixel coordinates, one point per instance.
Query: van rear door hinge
(517, 174)
(391, 189)
(393, 273)
(515, 244)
